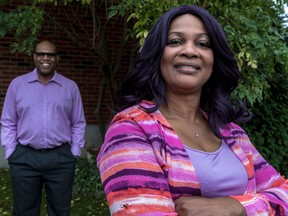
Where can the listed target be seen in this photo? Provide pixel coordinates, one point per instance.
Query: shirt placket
(45, 116)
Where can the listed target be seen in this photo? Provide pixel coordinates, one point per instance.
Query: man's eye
(42, 55)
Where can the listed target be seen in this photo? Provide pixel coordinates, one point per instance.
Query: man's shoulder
(21, 78)
(64, 80)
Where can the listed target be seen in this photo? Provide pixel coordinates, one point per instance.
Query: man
(42, 133)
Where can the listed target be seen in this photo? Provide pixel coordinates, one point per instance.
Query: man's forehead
(46, 46)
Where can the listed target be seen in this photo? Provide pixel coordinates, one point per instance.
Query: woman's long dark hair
(144, 80)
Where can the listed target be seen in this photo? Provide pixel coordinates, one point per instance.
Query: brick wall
(76, 62)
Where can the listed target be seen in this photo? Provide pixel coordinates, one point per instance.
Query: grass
(80, 205)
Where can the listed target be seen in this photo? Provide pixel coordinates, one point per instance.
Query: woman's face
(187, 60)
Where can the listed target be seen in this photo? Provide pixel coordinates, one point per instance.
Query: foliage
(65, 2)
(143, 21)
(5, 193)
(87, 179)
(87, 184)
(257, 37)
(268, 128)
(24, 23)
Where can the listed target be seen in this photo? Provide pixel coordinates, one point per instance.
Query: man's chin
(45, 73)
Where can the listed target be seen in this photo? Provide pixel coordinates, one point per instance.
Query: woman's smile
(187, 60)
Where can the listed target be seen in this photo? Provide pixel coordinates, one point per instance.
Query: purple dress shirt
(42, 115)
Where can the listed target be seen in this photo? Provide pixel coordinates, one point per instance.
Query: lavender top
(220, 173)
(42, 116)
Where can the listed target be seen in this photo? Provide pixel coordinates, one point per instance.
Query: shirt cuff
(76, 151)
(9, 151)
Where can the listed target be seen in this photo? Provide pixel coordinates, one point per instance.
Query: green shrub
(268, 128)
(87, 179)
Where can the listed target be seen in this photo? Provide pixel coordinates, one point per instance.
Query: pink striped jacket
(144, 167)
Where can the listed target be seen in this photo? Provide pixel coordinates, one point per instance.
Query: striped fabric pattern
(144, 167)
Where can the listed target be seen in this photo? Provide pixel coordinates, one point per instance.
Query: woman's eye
(204, 44)
(174, 42)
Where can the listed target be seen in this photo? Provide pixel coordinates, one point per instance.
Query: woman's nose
(190, 50)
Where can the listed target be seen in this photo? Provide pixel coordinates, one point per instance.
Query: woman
(173, 149)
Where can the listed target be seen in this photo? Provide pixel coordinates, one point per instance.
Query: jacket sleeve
(270, 195)
(133, 180)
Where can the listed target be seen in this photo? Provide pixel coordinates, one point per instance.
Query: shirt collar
(33, 77)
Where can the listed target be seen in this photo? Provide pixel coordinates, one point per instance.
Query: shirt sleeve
(78, 123)
(133, 180)
(9, 122)
(271, 196)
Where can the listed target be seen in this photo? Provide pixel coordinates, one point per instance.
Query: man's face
(45, 59)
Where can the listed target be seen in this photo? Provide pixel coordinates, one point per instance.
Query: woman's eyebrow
(182, 33)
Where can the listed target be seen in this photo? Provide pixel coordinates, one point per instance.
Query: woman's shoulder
(233, 126)
(232, 129)
(135, 112)
(140, 118)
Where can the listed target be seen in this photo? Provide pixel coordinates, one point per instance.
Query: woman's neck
(182, 111)
(187, 107)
